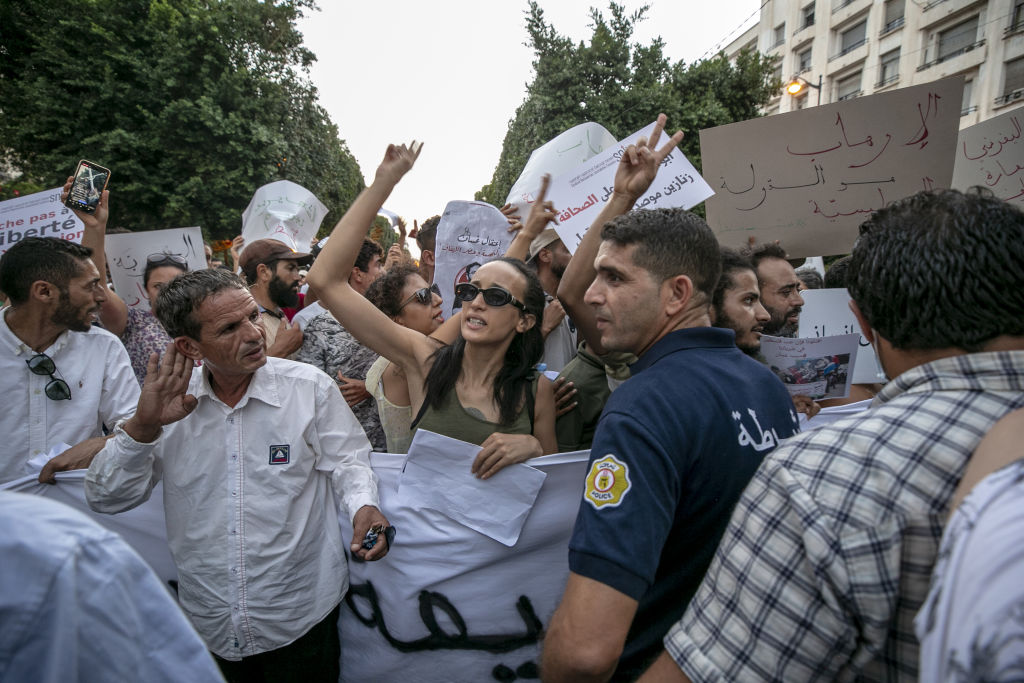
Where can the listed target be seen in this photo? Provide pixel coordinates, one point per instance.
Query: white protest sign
(284, 211)
(496, 507)
(469, 235)
(142, 527)
(809, 178)
(991, 154)
(818, 367)
(826, 313)
(556, 157)
(37, 215)
(449, 603)
(128, 253)
(579, 194)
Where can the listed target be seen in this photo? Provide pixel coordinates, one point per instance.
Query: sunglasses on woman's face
(424, 296)
(493, 296)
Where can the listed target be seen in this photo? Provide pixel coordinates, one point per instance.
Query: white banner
(469, 235)
(818, 367)
(450, 604)
(128, 253)
(283, 211)
(557, 157)
(579, 194)
(826, 313)
(37, 215)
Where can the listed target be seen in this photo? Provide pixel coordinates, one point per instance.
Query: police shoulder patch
(607, 482)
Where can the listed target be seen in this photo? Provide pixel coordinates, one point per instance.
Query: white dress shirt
(251, 519)
(77, 604)
(103, 391)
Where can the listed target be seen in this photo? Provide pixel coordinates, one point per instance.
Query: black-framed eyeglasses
(422, 296)
(56, 389)
(493, 295)
(163, 258)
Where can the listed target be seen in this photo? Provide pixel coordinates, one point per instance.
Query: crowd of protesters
(812, 550)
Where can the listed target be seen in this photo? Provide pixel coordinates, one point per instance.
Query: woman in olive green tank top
(487, 373)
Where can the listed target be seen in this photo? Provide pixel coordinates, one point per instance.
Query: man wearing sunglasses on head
(63, 379)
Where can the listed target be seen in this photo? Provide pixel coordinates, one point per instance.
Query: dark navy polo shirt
(674, 449)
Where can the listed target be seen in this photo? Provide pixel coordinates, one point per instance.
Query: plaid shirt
(828, 554)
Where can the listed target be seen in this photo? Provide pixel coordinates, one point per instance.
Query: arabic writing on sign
(990, 154)
(472, 251)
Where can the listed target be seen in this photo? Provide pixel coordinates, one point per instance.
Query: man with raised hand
(676, 443)
(252, 451)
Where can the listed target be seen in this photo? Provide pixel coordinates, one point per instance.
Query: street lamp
(798, 84)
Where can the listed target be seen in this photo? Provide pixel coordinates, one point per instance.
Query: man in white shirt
(251, 451)
(83, 606)
(62, 379)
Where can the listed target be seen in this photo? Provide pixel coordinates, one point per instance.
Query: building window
(804, 61)
(889, 68)
(848, 88)
(957, 40)
(1013, 80)
(965, 103)
(1017, 16)
(894, 15)
(780, 35)
(853, 37)
(801, 101)
(807, 14)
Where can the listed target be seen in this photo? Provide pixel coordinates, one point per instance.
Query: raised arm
(329, 274)
(635, 173)
(541, 213)
(113, 311)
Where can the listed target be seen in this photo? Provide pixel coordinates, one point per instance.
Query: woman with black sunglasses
(482, 388)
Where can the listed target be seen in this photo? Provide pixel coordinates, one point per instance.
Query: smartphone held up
(87, 187)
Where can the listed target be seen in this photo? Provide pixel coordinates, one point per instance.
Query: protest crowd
(734, 521)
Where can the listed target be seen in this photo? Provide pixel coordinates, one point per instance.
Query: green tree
(623, 86)
(193, 104)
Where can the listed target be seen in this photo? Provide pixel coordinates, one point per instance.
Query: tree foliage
(623, 86)
(192, 104)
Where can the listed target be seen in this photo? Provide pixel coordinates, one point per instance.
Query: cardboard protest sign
(558, 156)
(446, 593)
(826, 313)
(128, 253)
(991, 154)
(809, 178)
(579, 194)
(469, 235)
(284, 211)
(37, 215)
(818, 367)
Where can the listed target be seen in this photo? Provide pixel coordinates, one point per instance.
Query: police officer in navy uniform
(676, 444)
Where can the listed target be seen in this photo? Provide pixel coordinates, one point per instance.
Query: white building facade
(860, 47)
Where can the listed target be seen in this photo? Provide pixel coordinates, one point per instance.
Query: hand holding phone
(90, 180)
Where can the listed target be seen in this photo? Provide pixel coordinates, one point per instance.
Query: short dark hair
(32, 259)
(765, 251)
(386, 291)
(669, 242)
(426, 237)
(732, 262)
(366, 254)
(810, 278)
(177, 303)
(837, 273)
(941, 269)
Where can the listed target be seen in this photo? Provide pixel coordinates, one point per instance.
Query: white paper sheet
(821, 367)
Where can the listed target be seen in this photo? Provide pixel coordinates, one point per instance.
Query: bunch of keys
(370, 539)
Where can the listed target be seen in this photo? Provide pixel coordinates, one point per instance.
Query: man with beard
(63, 380)
(780, 289)
(271, 270)
(549, 258)
(736, 302)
